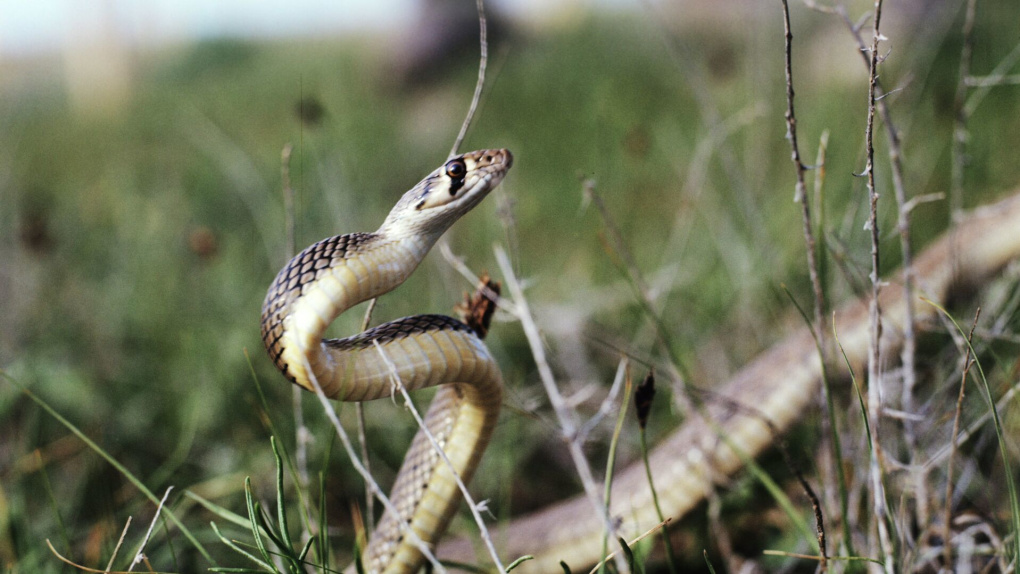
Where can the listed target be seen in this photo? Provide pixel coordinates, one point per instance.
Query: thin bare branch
(959, 149)
(120, 541)
(359, 412)
(818, 325)
(908, 353)
(947, 533)
(139, 557)
(564, 415)
(466, 272)
(69, 562)
(301, 434)
(875, 312)
(616, 554)
(800, 195)
(482, 63)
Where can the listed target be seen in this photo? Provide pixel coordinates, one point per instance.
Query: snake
(333, 275)
(770, 393)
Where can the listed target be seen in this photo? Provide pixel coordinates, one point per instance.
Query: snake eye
(455, 169)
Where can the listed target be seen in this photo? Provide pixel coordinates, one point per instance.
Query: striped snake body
(337, 273)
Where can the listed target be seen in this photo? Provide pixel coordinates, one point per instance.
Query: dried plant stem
(482, 529)
(301, 434)
(622, 373)
(966, 434)
(120, 541)
(458, 263)
(947, 533)
(624, 370)
(139, 557)
(617, 554)
(288, 197)
(483, 61)
(908, 353)
(565, 417)
(818, 325)
(359, 411)
(961, 114)
(800, 194)
(875, 312)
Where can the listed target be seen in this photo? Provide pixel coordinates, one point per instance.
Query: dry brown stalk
(948, 526)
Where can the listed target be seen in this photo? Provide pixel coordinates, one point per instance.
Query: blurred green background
(142, 219)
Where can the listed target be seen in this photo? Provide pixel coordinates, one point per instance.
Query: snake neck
(323, 281)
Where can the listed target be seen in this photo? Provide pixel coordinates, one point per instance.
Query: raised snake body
(337, 273)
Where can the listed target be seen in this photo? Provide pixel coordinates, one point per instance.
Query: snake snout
(492, 157)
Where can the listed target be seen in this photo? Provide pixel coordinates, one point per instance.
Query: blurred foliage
(136, 247)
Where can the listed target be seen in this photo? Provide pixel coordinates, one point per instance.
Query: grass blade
(1014, 502)
(114, 463)
(281, 508)
(254, 514)
(518, 562)
(267, 567)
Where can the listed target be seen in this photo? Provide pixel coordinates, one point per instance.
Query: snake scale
(777, 387)
(337, 273)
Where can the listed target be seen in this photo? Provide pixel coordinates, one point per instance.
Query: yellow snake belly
(337, 273)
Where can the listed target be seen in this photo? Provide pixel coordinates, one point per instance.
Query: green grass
(117, 315)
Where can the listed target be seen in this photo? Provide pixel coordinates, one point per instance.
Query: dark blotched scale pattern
(290, 282)
(397, 330)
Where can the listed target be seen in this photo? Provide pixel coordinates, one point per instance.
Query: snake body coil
(337, 273)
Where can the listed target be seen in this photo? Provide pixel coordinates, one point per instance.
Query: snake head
(450, 191)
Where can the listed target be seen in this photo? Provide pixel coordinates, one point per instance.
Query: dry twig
(564, 415)
(139, 557)
(874, 311)
(948, 526)
(302, 435)
(120, 541)
(961, 114)
(359, 412)
(482, 63)
(818, 326)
